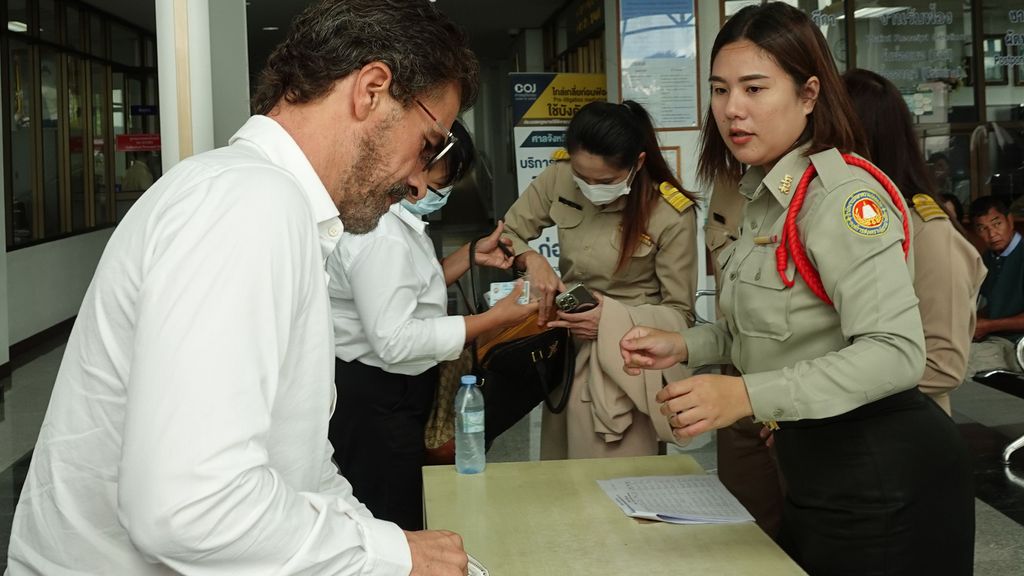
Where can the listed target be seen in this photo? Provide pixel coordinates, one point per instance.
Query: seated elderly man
(1001, 307)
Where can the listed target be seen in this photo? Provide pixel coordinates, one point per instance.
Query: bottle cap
(468, 380)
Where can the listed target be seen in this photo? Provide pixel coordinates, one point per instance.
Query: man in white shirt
(187, 431)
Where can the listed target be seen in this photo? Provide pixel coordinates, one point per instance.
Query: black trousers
(883, 490)
(377, 434)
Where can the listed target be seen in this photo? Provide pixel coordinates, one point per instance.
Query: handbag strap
(568, 374)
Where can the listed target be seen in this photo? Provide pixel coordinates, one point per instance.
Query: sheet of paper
(689, 499)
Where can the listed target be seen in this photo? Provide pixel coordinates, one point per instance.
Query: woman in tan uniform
(877, 477)
(627, 231)
(948, 271)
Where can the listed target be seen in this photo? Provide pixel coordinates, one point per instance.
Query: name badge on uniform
(865, 214)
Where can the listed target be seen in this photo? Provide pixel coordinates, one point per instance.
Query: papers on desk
(475, 567)
(689, 499)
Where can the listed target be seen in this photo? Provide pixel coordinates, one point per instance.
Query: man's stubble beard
(363, 201)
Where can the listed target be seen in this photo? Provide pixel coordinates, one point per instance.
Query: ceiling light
(17, 26)
(270, 28)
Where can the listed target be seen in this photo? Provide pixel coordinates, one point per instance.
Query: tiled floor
(988, 419)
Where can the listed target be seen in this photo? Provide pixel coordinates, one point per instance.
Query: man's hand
(644, 348)
(583, 325)
(704, 402)
(437, 553)
(982, 328)
(493, 250)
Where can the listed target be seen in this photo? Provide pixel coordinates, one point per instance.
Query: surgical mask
(601, 194)
(430, 203)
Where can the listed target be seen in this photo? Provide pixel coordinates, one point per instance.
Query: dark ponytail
(618, 133)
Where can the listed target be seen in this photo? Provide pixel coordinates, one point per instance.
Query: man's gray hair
(333, 38)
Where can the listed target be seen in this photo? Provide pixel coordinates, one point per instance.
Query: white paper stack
(689, 499)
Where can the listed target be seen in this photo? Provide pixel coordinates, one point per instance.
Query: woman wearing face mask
(627, 232)
(389, 306)
(877, 476)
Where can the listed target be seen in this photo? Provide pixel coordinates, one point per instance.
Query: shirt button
(732, 275)
(758, 275)
(334, 231)
(778, 413)
(753, 225)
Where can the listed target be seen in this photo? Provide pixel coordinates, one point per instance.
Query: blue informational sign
(148, 110)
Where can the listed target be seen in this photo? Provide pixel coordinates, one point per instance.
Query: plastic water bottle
(470, 456)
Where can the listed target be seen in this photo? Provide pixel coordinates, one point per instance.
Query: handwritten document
(690, 499)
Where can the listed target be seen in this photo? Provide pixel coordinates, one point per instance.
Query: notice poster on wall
(542, 105)
(658, 60)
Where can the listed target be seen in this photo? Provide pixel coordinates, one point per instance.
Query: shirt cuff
(387, 549)
(701, 346)
(770, 396)
(449, 337)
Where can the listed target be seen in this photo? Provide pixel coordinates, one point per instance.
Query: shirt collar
(1010, 247)
(408, 218)
(780, 181)
(281, 149)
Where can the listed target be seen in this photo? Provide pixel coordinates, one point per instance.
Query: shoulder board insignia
(674, 197)
(928, 209)
(560, 155)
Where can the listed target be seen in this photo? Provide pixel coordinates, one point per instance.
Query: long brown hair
(789, 37)
(618, 133)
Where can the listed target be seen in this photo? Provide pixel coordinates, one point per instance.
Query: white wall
(46, 283)
(229, 55)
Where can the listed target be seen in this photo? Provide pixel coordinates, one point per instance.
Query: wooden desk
(551, 518)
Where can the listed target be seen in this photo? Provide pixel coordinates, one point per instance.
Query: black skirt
(377, 433)
(883, 490)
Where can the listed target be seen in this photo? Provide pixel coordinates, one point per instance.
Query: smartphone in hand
(575, 299)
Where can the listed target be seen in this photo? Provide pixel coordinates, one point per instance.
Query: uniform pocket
(762, 300)
(566, 216)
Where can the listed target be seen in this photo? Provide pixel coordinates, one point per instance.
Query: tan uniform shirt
(725, 212)
(663, 269)
(800, 357)
(948, 272)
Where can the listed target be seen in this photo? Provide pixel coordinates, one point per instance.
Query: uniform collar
(408, 218)
(780, 181)
(281, 149)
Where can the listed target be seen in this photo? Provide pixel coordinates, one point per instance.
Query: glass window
(1003, 23)
(125, 46)
(76, 141)
(48, 29)
(100, 113)
(23, 143)
(949, 159)
(17, 16)
(828, 15)
(50, 87)
(924, 49)
(150, 54)
(73, 35)
(97, 36)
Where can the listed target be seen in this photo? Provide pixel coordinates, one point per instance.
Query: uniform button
(334, 231)
(758, 275)
(586, 248)
(732, 275)
(778, 413)
(753, 225)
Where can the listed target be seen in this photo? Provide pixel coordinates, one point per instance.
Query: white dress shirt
(389, 300)
(187, 431)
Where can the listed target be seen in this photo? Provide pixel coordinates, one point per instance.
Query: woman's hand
(544, 283)
(704, 402)
(644, 348)
(493, 250)
(583, 325)
(508, 312)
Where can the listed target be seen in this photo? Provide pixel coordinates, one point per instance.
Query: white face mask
(601, 194)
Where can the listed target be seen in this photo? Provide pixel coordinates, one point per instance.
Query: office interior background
(101, 97)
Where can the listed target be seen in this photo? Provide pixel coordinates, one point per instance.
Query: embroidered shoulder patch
(865, 214)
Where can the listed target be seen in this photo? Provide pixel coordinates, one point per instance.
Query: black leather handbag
(520, 367)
